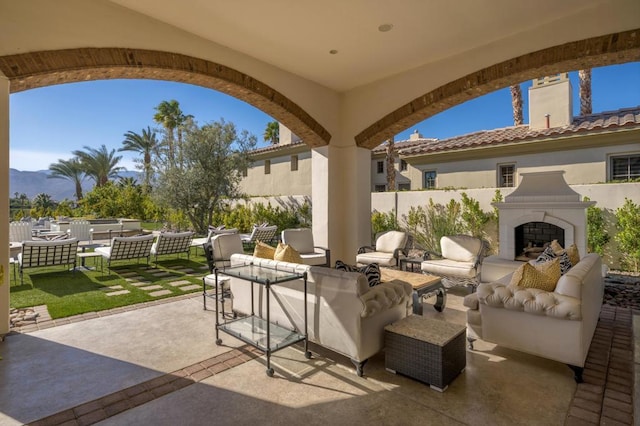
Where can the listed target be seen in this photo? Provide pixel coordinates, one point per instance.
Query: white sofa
(345, 315)
(556, 325)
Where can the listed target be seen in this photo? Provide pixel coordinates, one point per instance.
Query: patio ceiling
(298, 37)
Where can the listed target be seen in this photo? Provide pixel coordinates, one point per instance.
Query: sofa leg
(359, 366)
(577, 373)
(470, 340)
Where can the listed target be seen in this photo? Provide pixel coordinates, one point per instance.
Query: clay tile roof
(604, 121)
(382, 148)
(276, 147)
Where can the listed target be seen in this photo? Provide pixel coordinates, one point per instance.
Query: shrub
(628, 236)
(383, 222)
(597, 236)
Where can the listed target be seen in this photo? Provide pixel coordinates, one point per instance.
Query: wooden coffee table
(423, 284)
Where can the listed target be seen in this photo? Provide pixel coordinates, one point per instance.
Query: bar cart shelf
(258, 332)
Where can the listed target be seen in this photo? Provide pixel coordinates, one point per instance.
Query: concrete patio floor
(160, 365)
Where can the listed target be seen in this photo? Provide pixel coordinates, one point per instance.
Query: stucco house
(590, 149)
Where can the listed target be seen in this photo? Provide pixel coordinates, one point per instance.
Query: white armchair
(460, 262)
(389, 249)
(218, 252)
(302, 241)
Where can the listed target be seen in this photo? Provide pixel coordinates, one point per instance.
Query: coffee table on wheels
(423, 285)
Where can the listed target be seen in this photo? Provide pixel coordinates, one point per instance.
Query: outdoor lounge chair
(126, 248)
(302, 241)
(47, 253)
(20, 231)
(459, 263)
(259, 233)
(218, 252)
(81, 230)
(172, 243)
(389, 249)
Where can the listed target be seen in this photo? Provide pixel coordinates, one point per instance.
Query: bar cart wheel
(270, 372)
(307, 355)
(218, 342)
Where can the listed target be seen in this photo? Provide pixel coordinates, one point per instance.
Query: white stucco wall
(282, 180)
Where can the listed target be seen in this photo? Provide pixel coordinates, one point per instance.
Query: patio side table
(427, 350)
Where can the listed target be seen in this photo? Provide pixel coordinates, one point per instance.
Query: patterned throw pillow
(286, 253)
(543, 276)
(341, 266)
(371, 271)
(555, 245)
(549, 254)
(263, 251)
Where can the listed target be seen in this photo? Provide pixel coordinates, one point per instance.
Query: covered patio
(159, 364)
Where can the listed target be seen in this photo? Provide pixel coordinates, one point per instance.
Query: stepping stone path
(179, 283)
(118, 293)
(151, 287)
(185, 285)
(162, 274)
(160, 293)
(190, 287)
(140, 283)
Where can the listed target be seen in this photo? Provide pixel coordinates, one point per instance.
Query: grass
(66, 293)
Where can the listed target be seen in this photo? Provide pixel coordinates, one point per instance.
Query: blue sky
(47, 124)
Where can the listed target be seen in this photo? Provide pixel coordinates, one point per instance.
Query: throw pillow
(547, 255)
(341, 266)
(555, 245)
(574, 254)
(543, 276)
(264, 251)
(286, 253)
(565, 262)
(372, 272)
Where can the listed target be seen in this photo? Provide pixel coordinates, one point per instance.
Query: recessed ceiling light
(385, 27)
(333, 51)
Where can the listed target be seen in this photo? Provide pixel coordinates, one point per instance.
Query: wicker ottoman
(427, 350)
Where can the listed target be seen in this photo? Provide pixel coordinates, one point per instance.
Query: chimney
(286, 136)
(550, 102)
(415, 136)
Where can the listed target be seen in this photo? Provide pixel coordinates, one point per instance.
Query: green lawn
(66, 293)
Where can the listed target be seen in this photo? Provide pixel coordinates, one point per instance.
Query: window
(245, 172)
(380, 166)
(430, 179)
(403, 166)
(506, 175)
(294, 163)
(404, 187)
(380, 188)
(625, 167)
(267, 167)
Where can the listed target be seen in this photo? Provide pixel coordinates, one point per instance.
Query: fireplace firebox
(532, 237)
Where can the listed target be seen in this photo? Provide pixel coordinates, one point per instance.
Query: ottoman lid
(436, 332)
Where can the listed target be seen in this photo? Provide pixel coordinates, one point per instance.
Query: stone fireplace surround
(541, 197)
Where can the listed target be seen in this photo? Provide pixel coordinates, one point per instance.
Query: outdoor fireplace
(542, 208)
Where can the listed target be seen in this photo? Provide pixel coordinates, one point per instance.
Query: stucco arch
(45, 68)
(610, 49)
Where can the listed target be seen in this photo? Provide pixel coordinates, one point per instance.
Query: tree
(210, 174)
(585, 91)
(145, 144)
(516, 104)
(69, 169)
(99, 164)
(391, 165)
(628, 236)
(42, 205)
(272, 132)
(171, 118)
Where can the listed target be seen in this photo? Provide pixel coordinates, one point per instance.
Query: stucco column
(341, 197)
(5, 272)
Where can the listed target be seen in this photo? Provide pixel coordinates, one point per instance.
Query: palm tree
(124, 182)
(69, 169)
(516, 104)
(99, 164)
(170, 116)
(43, 203)
(145, 144)
(272, 132)
(391, 165)
(585, 91)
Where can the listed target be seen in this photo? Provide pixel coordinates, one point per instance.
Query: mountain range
(33, 183)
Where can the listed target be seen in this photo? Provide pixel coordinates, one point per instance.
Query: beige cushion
(574, 254)
(264, 251)
(390, 241)
(381, 258)
(286, 253)
(448, 267)
(300, 239)
(461, 248)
